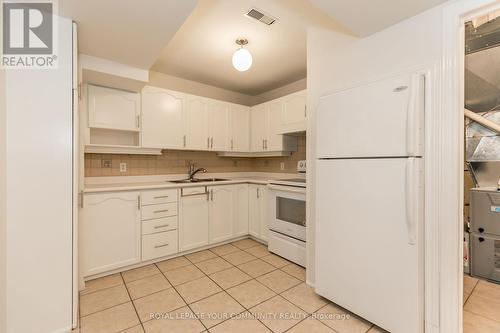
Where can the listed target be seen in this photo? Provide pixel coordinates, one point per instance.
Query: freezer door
(369, 240)
(380, 119)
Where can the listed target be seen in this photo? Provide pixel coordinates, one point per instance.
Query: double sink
(196, 180)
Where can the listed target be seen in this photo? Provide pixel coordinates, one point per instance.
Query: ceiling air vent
(260, 16)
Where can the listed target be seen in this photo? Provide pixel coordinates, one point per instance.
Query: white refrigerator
(369, 201)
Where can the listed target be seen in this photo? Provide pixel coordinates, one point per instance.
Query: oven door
(287, 210)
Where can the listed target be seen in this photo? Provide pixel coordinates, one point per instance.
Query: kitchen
(282, 174)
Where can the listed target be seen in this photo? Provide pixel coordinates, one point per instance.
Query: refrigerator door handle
(410, 199)
(415, 104)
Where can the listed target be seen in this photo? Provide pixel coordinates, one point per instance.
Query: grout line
(133, 304)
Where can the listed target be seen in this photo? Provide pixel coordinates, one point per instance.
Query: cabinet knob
(481, 239)
(480, 229)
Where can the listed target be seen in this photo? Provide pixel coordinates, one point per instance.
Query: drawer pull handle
(160, 197)
(161, 226)
(162, 245)
(161, 211)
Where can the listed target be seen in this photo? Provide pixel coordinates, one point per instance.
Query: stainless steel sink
(196, 180)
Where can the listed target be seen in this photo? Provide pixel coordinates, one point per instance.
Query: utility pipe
(482, 120)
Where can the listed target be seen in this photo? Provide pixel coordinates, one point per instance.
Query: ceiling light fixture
(242, 59)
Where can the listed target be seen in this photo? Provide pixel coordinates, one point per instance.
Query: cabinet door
(196, 123)
(162, 118)
(113, 108)
(258, 127)
(109, 232)
(274, 140)
(264, 216)
(240, 128)
(293, 117)
(240, 219)
(193, 222)
(254, 214)
(221, 213)
(218, 120)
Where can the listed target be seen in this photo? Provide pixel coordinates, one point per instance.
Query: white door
(254, 210)
(384, 118)
(240, 210)
(221, 213)
(109, 232)
(218, 120)
(369, 246)
(162, 118)
(193, 221)
(259, 124)
(264, 217)
(274, 141)
(240, 128)
(196, 118)
(294, 112)
(113, 109)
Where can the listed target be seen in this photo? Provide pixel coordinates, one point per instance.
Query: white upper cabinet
(239, 140)
(162, 118)
(294, 113)
(113, 109)
(196, 120)
(274, 140)
(218, 123)
(258, 127)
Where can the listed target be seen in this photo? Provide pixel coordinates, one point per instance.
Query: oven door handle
(291, 189)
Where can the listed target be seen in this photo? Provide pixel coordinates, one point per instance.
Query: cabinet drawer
(158, 196)
(198, 190)
(159, 225)
(159, 245)
(157, 211)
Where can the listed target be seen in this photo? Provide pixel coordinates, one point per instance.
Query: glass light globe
(242, 60)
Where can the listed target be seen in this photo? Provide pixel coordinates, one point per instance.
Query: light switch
(123, 167)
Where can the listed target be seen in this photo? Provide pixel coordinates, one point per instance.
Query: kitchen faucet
(193, 171)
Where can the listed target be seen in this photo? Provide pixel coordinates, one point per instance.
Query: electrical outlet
(282, 166)
(106, 163)
(123, 167)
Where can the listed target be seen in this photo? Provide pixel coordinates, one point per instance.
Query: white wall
(3, 213)
(337, 61)
(39, 195)
(279, 92)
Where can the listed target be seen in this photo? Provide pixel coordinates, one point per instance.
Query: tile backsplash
(177, 162)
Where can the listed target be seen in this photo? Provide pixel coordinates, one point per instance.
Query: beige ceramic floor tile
(155, 304)
(311, 326)
(112, 320)
(244, 323)
(140, 273)
(195, 290)
(275, 260)
(217, 308)
(200, 256)
(146, 286)
(103, 299)
(182, 320)
(238, 258)
(278, 281)
(135, 329)
(488, 307)
(213, 265)
(256, 268)
(183, 274)
(487, 289)
(478, 324)
(258, 251)
(224, 249)
(295, 271)
(245, 243)
(174, 263)
(342, 320)
(278, 314)
(102, 283)
(230, 277)
(304, 297)
(251, 293)
(469, 284)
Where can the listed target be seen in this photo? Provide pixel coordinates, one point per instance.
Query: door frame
(447, 193)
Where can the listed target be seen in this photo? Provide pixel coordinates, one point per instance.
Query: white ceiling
(131, 32)
(202, 48)
(365, 17)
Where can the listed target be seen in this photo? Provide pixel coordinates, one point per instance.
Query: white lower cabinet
(159, 244)
(240, 213)
(257, 211)
(193, 223)
(221, 212)
(109, 231)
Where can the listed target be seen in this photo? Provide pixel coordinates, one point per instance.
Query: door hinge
(305, 111)
(138, 202)
(184, 141)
